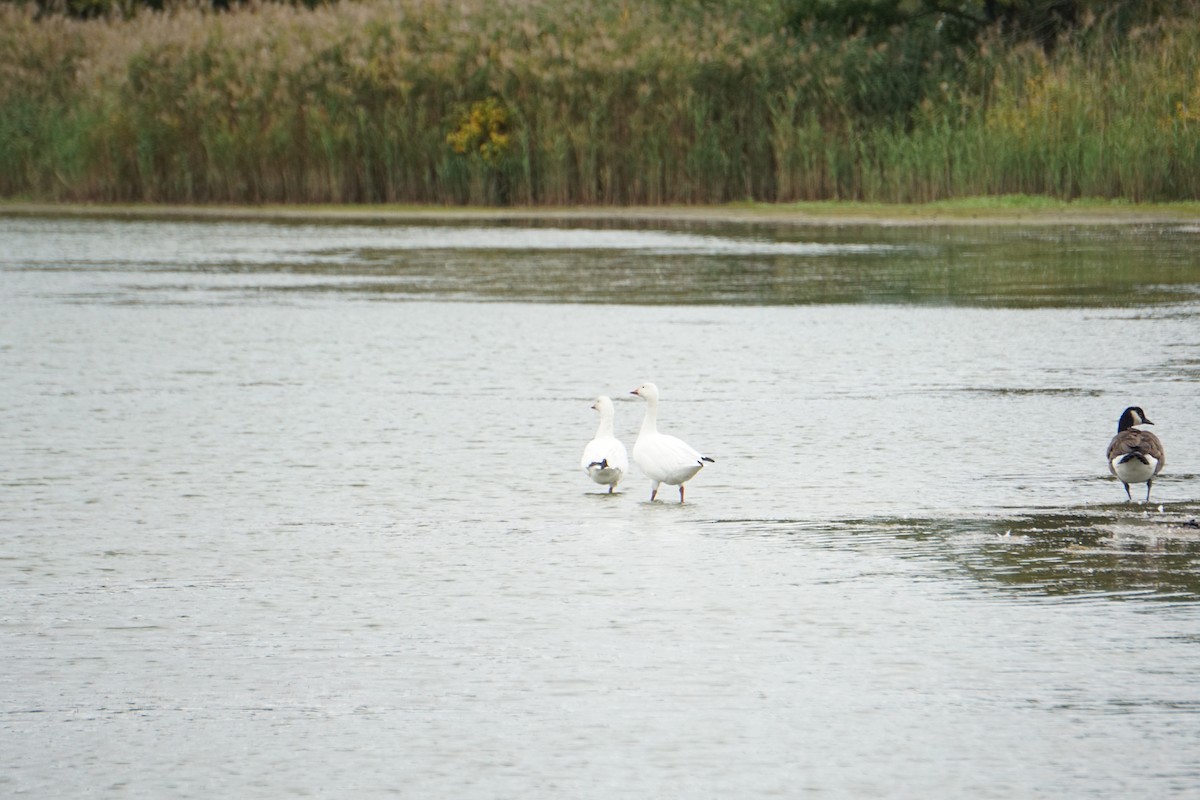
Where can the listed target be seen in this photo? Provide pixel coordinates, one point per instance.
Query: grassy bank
(573, 102)
(995, 211)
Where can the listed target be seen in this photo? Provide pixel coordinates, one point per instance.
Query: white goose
(604, 458)
(663, 458)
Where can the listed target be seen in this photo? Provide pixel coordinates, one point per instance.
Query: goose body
(604, 458)
(664, 458)
(1135, 456)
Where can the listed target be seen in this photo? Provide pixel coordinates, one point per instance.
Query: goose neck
(650, 421)
(606, 426)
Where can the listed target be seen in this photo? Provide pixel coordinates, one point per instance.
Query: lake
(295, 509)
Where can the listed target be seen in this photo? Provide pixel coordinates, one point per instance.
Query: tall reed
(596, 102)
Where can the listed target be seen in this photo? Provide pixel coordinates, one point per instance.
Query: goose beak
(1146, 421)
(635, 391)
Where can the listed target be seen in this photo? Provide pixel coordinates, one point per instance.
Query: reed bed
(575, 102)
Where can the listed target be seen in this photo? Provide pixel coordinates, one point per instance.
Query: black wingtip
(709, 460)
(601, 464)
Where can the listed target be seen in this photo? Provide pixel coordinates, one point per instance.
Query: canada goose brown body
(1135, 456)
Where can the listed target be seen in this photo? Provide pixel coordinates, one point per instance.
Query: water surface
(296, 510)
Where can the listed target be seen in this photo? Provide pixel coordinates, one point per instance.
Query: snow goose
(604, 458)
(663, 458)
(1133, 456)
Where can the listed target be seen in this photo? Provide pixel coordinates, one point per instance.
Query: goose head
(604, 405)
(1132, 416)
(647, 391)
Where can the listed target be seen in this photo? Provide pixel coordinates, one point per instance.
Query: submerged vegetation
(585, 101)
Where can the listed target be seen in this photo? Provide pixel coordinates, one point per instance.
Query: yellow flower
(483, 128)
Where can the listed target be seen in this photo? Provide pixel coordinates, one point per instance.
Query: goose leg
(681, 494)
(1149, 483)
(654, 491)
(1127, 494)
(611, 486)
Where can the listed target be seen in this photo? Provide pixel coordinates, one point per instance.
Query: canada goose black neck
(1132, 416)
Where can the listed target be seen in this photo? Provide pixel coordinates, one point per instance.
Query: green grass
(995, 207)
(593, 103)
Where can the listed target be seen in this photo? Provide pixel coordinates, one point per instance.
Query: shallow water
(296, 510)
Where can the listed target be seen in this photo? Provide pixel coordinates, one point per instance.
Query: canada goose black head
(1132, 416)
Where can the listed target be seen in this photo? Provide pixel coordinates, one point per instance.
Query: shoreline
(1034, 212)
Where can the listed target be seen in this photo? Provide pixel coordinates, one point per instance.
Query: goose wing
(1136, 441)
(667, 458)
(607, 450)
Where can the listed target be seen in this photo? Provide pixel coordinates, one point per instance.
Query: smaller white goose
(663, 458)
(604, 458)
(1134, 456)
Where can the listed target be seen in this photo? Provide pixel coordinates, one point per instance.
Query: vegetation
(586, 101)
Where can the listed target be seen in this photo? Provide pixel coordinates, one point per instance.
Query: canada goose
(1135, 456)
(604, 458)
(663, 458)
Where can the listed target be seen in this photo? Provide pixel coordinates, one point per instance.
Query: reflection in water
(694, 264)
(1114, 552)
(1111, 553)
